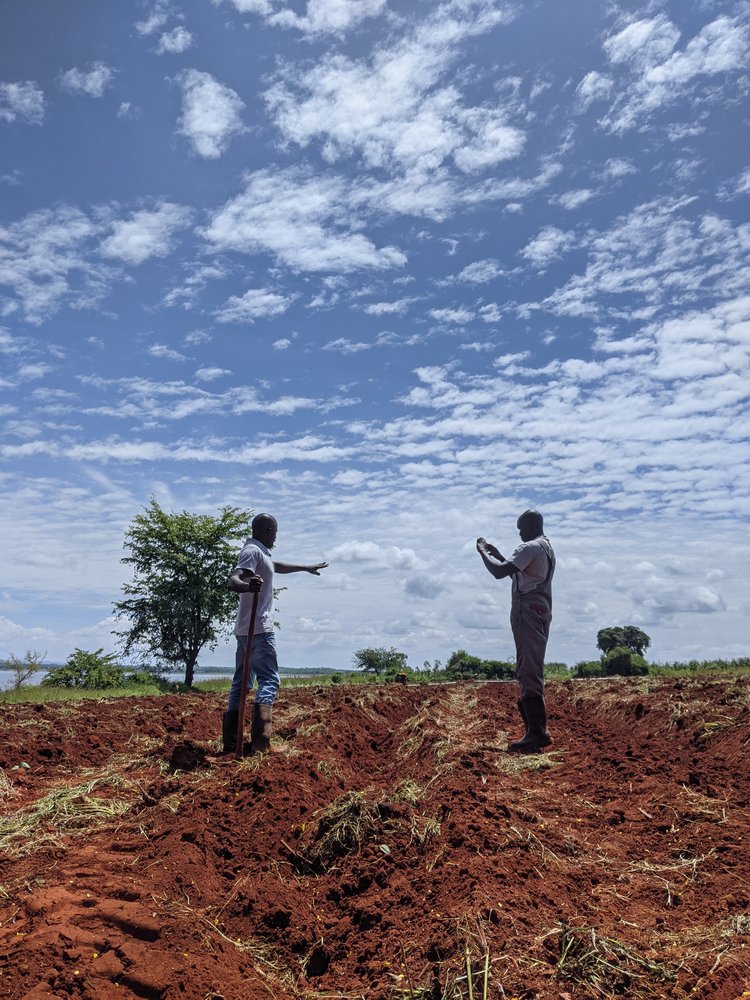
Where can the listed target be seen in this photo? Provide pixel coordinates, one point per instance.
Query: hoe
(245, 678)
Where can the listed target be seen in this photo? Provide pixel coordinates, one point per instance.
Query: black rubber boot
(522, 710)
(533, 709)
(229, 731)
(261, 731)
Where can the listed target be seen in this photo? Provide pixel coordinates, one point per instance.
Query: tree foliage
(623, 662)
(84, 669)
(623, 636)
(178, 601)
(24, 667)
(380, 660)
(462, 665)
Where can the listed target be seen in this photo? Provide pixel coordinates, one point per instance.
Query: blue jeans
(263, 667)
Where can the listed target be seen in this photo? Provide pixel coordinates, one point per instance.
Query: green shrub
(462, 665)
(555, 669)
(84, 669)
(588, 668)
(142, 677)
(624, 662)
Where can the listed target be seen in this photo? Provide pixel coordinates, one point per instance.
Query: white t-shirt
(256, 558)
(533, 562)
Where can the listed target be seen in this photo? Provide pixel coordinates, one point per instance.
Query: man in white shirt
(254, 574)
(531, 567)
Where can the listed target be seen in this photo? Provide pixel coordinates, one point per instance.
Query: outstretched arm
(315, 568)
(494, 561)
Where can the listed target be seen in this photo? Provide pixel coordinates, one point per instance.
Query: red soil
(617, 864)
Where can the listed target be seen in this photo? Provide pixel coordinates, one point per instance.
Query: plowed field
(386, 838)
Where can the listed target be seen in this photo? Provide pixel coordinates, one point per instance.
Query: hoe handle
(245, 679)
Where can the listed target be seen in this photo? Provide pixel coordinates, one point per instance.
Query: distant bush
(623, 662)
(84, 669)
(588, 668)
(555, 669)
(462, 666)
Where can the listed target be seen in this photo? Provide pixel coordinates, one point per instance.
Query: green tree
(178, 600)
(636, 639)
(624, 636)
(609, 638)
(380, 660)
(84, 669)
(24, 667)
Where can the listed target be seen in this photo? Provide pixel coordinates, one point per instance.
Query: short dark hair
(533, 518)
(264, 520)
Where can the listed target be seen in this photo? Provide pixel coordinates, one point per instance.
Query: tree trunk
(190, 668)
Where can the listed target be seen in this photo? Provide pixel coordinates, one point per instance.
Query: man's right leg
(530, 631)
(266, 668)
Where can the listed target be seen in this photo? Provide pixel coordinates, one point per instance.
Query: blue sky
(393, 272)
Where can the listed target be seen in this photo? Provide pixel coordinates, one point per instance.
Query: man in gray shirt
(531, 568)
(254, 573)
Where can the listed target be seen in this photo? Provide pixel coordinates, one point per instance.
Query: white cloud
(282, 344)
(211, 374)
(646, 42)
(146, 234)
(256, 303)
(211, 113)
(656, 254)
(177, 40)
(480, 271)
(618, 167)
(390, 109)
(308, 222)
(396, 308)
(549, 244)
(374, 554)
(343, 345)
(166, 352)
(22, 101)
(45, 262)
(155, 20)
(92, 81)
(322, 17)
(574, 199)
(660, 75)
(593, 87)
(453, 316)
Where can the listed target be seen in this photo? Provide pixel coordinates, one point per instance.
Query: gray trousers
(530, 620)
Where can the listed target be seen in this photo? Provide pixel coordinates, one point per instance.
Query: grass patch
(512, 763)
(7, 790)
(67, 809)
(342, 828)
(608, 966)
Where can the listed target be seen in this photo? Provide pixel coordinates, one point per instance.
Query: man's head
(264, 529)
(530, 525)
